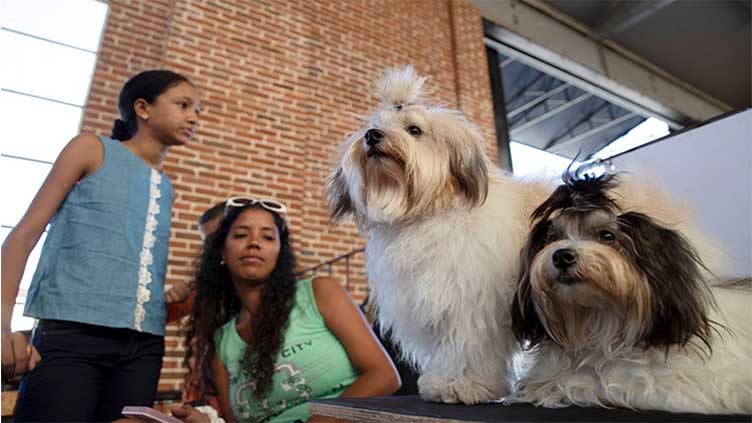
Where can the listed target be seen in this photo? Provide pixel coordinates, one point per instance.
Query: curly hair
(217, 303)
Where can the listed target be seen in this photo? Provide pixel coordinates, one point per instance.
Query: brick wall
(282, 83)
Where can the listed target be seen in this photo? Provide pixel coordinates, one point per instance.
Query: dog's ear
(526, 324)
(340, 203)
(469, 163)
(681, 297)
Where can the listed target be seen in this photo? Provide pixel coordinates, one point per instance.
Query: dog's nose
(373, 137)
(564, 258)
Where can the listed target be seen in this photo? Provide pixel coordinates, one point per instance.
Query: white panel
(530, 162)
(649, 130)
(31, 263)
(19, 322)
(45, 69)
(74, 22)
(19, 182)
(36, 128)
(709, 167)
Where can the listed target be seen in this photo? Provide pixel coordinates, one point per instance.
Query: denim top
(105, 257)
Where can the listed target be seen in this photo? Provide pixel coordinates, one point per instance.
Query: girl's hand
(18, 355)
(179, 292)
(189, 414)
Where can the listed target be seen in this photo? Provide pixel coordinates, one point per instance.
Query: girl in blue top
(98, 288)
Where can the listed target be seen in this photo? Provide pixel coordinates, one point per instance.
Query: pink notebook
(148, 414)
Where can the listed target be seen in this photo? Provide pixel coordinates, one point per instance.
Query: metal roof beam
(538, 99)
(507, 62)
(627, 14)
(553, 112)
(559, 144)
(542, 40)
(521, 91)
(586, 118)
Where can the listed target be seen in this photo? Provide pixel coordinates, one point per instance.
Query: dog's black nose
(373, 137)
(564, 258)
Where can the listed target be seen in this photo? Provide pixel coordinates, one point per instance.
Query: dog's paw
(459, 390)
(542, 394)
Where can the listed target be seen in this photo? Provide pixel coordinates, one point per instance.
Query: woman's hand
(189, 414)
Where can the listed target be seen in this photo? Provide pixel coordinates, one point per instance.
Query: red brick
(282, 83)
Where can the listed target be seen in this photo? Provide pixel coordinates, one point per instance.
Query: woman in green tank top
(265, 343)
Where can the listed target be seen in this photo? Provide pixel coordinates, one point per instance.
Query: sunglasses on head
(271, 205)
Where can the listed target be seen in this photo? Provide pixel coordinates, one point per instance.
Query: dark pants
(88, 373)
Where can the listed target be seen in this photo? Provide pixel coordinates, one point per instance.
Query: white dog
(445, 238)
(616, 308)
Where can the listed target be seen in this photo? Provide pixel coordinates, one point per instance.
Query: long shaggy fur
(445, 234)
(617, 311)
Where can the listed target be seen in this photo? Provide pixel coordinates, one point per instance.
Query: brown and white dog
(616, 308)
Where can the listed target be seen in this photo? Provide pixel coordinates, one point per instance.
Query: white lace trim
(146, 258)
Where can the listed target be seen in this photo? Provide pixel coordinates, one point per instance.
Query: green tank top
(312, 364)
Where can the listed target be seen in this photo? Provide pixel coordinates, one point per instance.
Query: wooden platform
(411, 409)
(9, 402)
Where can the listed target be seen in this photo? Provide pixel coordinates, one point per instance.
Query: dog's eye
(414, 130)
(606, 236)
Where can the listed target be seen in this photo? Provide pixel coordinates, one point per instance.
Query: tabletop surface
(399, 409)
